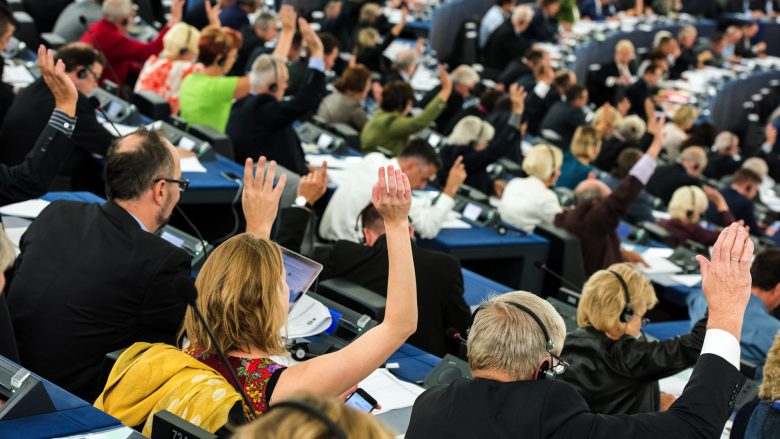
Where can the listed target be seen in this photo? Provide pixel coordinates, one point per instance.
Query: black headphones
(313, 412)
(186, 49)
(552, 155)
(82, 74)
(274, 86)
(473, 144)
(547, 369)
(359, 230)
(690, 213)
(628, 312)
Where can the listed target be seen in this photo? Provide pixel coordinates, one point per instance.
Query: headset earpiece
(125, 22)
(690, 213)
(628, 312)
(358, 229)
(274, 86)
(183, 51)
(82, 74)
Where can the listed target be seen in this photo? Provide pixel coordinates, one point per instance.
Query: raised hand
(61, 86)
(212, 12)
(313, 42)
(260, 198)
(314, 184)
(517, 95)
(177, 12)
(726, 279)
(446, 83)
(392, 196)
(456, 177)
(287, 16)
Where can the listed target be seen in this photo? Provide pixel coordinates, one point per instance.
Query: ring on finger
(735, 260)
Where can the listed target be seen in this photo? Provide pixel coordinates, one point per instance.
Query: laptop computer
(301, 274)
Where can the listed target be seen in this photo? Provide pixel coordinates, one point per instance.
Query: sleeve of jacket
(163, 310)
(292, 227)
(305, 101)
(700, 412)
(607, 213)
(456, 310)
(32, 177)
(406, 126)
(91, 136)
(127, 47)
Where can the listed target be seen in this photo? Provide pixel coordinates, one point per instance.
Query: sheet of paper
(308, 317)
(659, 214)
(122, 432)
(333, 162)
(454, 221)
(192, 164)
(15, 235)
(17, 75)
(658, 265)
(660, 252)
(689, 280)
(390, 392)
(26, 209)
(123, 130)
(675, 384)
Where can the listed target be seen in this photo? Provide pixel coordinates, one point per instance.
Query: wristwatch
(300, 201)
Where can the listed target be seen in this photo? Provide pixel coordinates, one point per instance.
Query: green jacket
(391, 130)
(568, 13)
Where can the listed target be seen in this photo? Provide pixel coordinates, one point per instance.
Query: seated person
(597, 10)
(235, 13)
(617, 372)
(598, 210)
(614, 77)
(29, 115)
(550, 88)
(760, 325)
(390, 128)
(740, 196)
(544, 25)
(345, 104)
(292, 418)
(122, 285)
(761, 419)
(464, 79)
(530, 201)
(687, 206)
(206, 97)
(631, 132)
(7, 28)
(644, 89)
(403, 67)
(298, 65)
(493, 18)
(256, 35)
(246, 303)
(514, 345)
(585, 147)
(745, 47)
(125, 55)
(685, 172)
(564, 117)
(676, 130)
(370, 46)
(724, 159)
(507, 43)
(265, 115)
(420, 162)
(641, 209)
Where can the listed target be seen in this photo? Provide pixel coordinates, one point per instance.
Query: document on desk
(689, 280)
(454, 221)
(192, 164)
(17, 75)
(333, 162)
(26, 209)
(122, 432)
(658, 265)
(390, 392)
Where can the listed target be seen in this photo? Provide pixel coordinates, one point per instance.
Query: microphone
(454, 334)
(543, 267)
(95, 102)
(197, 232)
(84, 22)
(185, 288)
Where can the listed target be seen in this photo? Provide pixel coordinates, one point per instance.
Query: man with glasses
(30, 112)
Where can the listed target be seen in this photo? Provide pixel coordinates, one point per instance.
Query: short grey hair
(522, 14)
(466, 75)
(505, 338)
(116, 10)
(632, 128)
(725, 140)
(264, 20)
(265, 70)
(405, 58)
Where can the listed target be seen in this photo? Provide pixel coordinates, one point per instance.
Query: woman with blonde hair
(677, 129)
(585, 147)
(306, 417)
(686, 208)
(244, 297)
(369, 51)
(617, 372)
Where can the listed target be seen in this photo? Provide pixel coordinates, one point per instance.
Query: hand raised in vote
(392, 196)
(260, 198)
(314, 184)
(61, 86)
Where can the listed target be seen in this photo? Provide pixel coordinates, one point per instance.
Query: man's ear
(158, 191)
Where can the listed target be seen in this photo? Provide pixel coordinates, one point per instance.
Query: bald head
(591, 189)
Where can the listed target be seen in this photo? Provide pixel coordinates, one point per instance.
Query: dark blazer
(261, 125)
(588, 9)
(439, 280)
(553, 409)
(563, 119)
(719, 166)
(668, 179)
(250, 42)
(28, 116)
(536, 108)
(595, 223)
(391, 75)
(637, 94)
(542, 28)
(90, 281)
(741, 207)
(695, 232)
(504, 46)
(621, 376)
(686, 61)
(453, 107)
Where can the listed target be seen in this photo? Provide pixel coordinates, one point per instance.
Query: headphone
(473, 144)
(186, 49)
(552, 155)
(689, 214)
(359, 229)
(313, 412)
(628, 312)
(82, 74)
(274, 86)
(546, 370)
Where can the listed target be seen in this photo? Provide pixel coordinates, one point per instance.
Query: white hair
(522, 14)
(117, 10)
(725, 140)
(265, 71)
(471, 129)
(405, 58)
(466, 75)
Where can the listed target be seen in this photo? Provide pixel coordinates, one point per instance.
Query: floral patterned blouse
(163, 77)
(258, 376)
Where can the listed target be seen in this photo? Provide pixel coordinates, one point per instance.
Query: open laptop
(301, 274)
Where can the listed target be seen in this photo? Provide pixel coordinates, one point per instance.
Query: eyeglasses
(183, 183)
(95, 76)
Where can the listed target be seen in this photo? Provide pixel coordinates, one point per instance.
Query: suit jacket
(668, 179)
(553, 409)
(741, 208)
(588, 9)
(563, 119)
(595, 223)
(504, 46)
(30, 114)
(719, 166)
(542, 28)
(263, 117)
(69, 310)
(439, 280)
(686, 61)
(637, 94)
(452, 108)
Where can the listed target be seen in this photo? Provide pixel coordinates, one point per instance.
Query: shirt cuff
(445, 202)
(515, 119)
(643, 169)
(317, 64)
(723, 344)
(62, 122)
(541, 89)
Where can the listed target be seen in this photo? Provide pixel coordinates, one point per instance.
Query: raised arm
(333, 374)
(287, 16)
(260, 199)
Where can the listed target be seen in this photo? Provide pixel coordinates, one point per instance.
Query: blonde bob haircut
(179, 37)
(471, 129)
(367, 37)
(687, 199)
(685, 116)
(239, 294)
(543, 161)
(603, 299)
(609, 125)
(293, 423)
(585, 142)
(508, 339)
(770, 388)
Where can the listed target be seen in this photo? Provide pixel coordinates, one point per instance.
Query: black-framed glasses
(183, 183)
(95, 76)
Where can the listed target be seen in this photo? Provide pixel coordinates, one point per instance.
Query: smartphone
(362, 401)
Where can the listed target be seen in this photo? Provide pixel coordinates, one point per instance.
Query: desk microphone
(454, 334)
(197, 232)
(185, 288)
(543, 267)
(95, 102)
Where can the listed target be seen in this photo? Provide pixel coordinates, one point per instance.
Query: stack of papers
(308, 317)
(26, 209)
(390, 392)
(454, 221)
(689, 280)
(658, 265)
(191, 164)
(17, 75)
(424, 79)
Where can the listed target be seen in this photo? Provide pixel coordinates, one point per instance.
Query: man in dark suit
(739, 196)
(264, 115)
(507, 42)
(564, 117)
(464, 80)
(28, 116)
(686, 172)
(598, 10)
(643, 89)
(513, 351)
(544, 26)
(612, 78)
(92, 279)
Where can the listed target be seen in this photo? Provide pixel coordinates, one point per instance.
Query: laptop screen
(301, 274)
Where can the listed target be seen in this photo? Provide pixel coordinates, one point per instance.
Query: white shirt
(492, 19)
(527, 202)
(354, 194)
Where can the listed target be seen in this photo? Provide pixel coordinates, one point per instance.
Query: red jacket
(124, 54)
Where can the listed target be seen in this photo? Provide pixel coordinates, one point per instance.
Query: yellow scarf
(148, 378)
